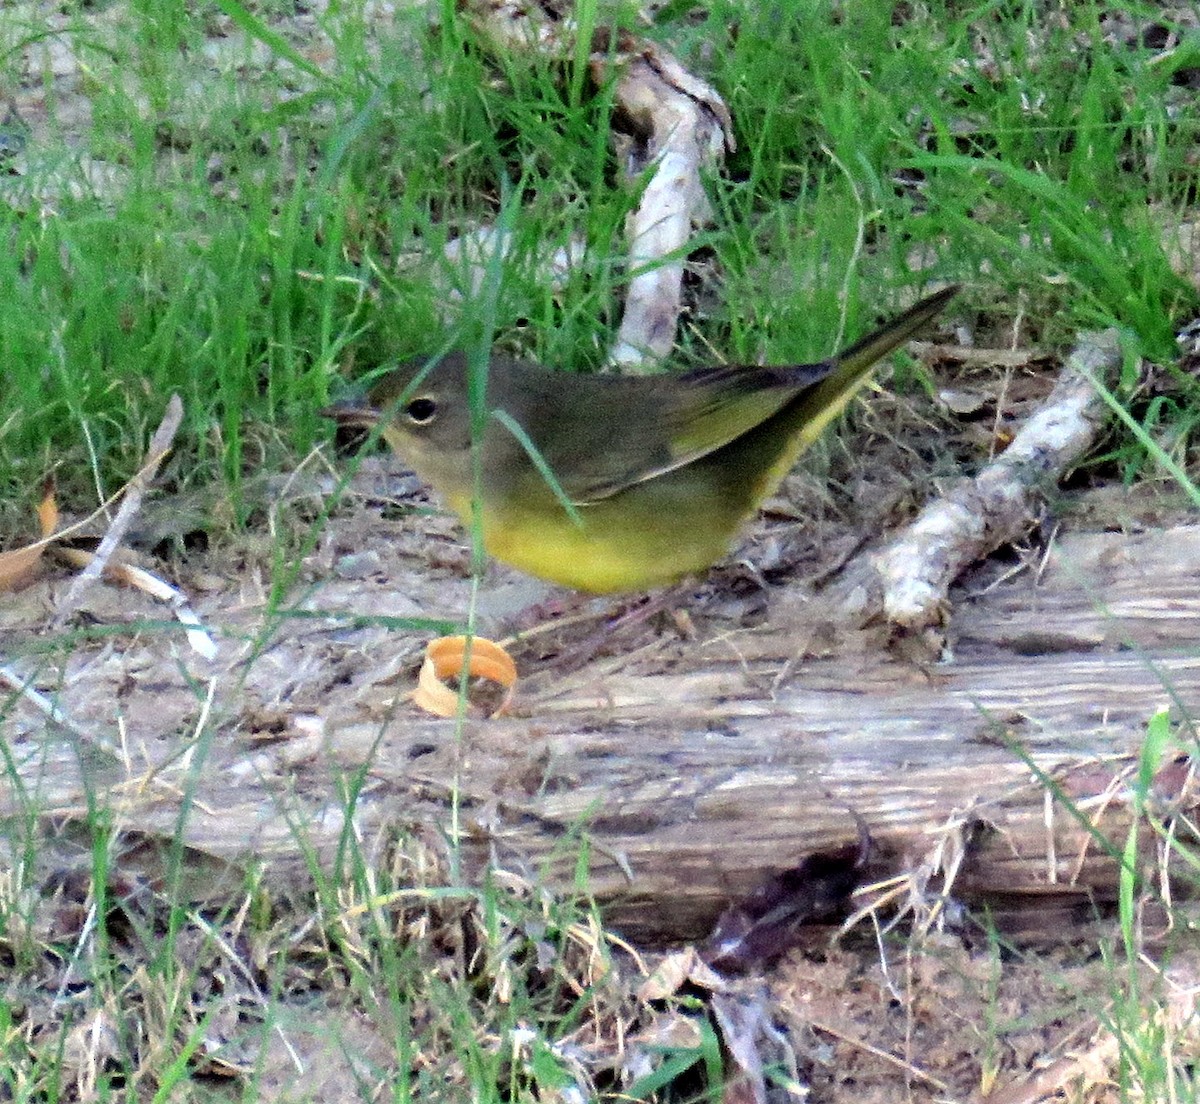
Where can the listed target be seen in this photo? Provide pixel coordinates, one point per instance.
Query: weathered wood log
(698, 769)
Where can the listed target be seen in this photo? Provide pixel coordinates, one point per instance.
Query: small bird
(662, 471)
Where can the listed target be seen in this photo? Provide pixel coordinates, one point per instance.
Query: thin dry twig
(975, 356)
(861, 1044)
(129, 575)
(160, 445)
(23, 687)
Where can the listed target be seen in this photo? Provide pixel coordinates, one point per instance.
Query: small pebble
(358, 565)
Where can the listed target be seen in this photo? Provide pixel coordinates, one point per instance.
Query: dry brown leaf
(445, 658)
(47, 510)
(676, 970)
(18, 567)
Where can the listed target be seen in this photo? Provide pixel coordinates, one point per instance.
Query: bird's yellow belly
(592, 560)
(615, 549)
(651, 534)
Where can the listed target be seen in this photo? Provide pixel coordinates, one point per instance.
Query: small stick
(160, 445)
(861, 1044)
(683, 128)
(909, 579)
(23, 687)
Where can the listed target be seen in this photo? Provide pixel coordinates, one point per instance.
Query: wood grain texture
(696, 770)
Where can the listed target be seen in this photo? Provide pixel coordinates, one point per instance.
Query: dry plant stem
(680, 127)
(160, 444)
(974, 356)
(14, 682)
(127, 574)
(915, 571)
(861, 1044)
(23, 687)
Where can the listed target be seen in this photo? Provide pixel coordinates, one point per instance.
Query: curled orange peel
(445, 658)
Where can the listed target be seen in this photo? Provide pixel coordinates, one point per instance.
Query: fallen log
(693, 772)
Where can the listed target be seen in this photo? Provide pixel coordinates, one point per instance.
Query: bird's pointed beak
(355, 410)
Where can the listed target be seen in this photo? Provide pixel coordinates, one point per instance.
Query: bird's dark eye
(422, 411)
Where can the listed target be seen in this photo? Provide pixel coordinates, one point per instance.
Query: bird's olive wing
(666, 422)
